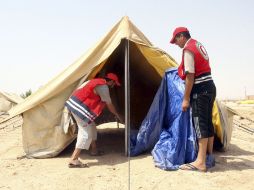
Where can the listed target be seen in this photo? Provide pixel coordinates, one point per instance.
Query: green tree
(26, 94)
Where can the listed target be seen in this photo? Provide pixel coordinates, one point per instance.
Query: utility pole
(245, 93)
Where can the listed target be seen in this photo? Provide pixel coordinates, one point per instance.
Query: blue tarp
(166, 130)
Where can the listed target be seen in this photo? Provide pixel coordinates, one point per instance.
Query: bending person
(86, 104)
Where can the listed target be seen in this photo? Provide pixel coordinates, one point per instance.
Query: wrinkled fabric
(166, 129)
(151, 127)
(42, 110)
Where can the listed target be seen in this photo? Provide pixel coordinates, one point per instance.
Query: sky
(39, 39)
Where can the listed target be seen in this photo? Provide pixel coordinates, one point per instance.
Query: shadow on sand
(111, 141)
(234, 158)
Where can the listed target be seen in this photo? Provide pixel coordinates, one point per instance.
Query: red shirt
(201, 59)
(85, 103)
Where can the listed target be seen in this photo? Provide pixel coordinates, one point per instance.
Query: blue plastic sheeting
(151, 127)
(166, 128)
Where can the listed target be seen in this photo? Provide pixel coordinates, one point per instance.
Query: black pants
(202, 100)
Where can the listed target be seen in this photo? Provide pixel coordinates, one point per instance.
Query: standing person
(86, 104)
(200, 93)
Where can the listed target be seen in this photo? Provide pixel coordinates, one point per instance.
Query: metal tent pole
(127, 98)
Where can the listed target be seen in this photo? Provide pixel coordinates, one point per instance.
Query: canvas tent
(8, 101)
(125, 51)
(43, 136)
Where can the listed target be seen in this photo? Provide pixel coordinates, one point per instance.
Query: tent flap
(166, 128)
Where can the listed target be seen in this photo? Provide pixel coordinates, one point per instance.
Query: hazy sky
(39, 39)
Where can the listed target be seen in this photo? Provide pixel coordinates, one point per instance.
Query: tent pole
(127, 97)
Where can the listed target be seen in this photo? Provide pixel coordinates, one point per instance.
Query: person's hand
(118, 119)
(185, 104)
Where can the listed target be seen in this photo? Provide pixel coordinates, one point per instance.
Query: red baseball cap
(113, 77)
(177, 31)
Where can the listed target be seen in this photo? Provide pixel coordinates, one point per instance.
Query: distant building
(250, 97)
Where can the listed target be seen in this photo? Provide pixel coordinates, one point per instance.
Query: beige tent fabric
(12, 97)
(5, 105)
(84, 65)
(224, 124)
(43, 136)
(8, 101)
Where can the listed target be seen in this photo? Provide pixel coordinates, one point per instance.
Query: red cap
(113, 77)
(176, 31)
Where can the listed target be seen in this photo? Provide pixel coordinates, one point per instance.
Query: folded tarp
(166, 129)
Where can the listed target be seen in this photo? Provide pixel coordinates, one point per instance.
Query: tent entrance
(139, 84)
(110, 139)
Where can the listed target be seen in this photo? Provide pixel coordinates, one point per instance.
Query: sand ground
(234, 168)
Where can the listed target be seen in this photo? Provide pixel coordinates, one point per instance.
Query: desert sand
(234, 168)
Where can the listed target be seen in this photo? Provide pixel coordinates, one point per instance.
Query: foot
(77, 164)
(192, 167)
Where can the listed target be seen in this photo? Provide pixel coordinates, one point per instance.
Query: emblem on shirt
(202, 50)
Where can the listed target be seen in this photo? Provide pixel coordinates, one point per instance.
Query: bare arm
(189, 81)
(103, 92)
(112, 109)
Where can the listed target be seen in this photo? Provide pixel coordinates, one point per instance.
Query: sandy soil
(234, 169)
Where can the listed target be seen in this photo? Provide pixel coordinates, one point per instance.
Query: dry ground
(234, 169)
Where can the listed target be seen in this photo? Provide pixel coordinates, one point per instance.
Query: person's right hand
(119, 119)
(185, 105)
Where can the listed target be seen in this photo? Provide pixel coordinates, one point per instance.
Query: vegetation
(26, 94)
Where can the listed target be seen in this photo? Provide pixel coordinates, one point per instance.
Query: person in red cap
(199, 94)
(85, 105)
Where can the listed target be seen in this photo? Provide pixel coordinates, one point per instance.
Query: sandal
(77, 164)
(191, 167)
(81, 165)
